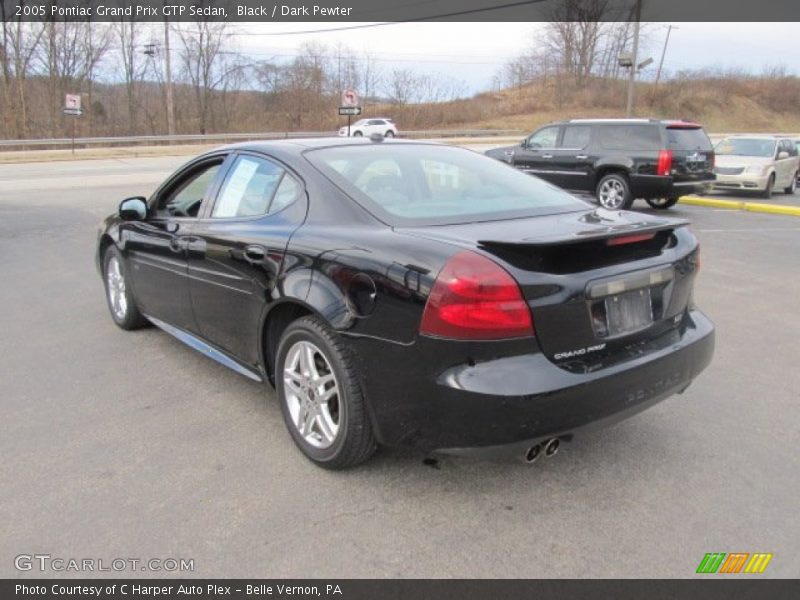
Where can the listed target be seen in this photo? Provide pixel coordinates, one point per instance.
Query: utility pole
(168, 69)
(632, 75)
(663, 54)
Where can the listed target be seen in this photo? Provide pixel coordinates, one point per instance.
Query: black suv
(619, 160)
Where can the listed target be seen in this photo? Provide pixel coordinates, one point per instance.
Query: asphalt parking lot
(123, 444)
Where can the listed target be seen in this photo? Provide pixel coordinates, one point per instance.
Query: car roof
(676, 123)
(299, 145)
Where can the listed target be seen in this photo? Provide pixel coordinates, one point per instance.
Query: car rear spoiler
(614, 234)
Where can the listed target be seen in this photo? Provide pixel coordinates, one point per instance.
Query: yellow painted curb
(713, 202)
(775, 209)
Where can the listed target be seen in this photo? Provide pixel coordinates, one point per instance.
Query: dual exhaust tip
(547, 448)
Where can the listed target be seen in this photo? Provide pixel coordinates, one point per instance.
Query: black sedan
(401, 293)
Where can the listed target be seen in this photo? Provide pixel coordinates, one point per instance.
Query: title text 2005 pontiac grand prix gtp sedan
(401, 293)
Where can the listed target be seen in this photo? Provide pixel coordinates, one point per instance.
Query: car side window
(186, 197)
(576, 136)
(287, 192)
(251, 188)
(544, 138)
(630, 137)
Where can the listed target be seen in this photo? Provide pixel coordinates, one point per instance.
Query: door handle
(178, 244)
(547, 156)
(581, 156)
(254, 254)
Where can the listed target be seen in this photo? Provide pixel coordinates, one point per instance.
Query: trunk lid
(597, 281)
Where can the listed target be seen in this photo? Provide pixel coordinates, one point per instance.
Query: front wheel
(321, 398)
(121, 303)
(662, 203)
(358, 134)
(614, 192)
(793, 186)
(767, 193)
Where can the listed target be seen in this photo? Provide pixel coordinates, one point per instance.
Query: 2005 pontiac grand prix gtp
(403, 293)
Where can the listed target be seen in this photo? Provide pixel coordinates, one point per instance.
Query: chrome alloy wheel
(612, 194)
(115, 285)
(312, 394)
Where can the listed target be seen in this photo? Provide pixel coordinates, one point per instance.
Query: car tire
(662, 203)
(120, 300)
(767, 193)
(358, 134)
(389, 134)
(614, 192)
(312, 362)
(791, 189)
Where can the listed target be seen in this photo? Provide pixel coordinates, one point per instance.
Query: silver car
(758, 163)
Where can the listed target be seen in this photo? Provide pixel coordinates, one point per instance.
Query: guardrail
(222, 138)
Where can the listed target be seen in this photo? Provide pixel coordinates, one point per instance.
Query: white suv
(368, 127)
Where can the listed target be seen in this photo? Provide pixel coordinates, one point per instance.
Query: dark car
(410, 294)
(619, 160)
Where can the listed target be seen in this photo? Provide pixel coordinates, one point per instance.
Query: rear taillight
(664, 162)
(474, 298)
(629, 239)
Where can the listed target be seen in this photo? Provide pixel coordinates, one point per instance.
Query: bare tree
(305, 82)
(371, 78)
(70, 53)
(574, 35)
(130, 47)
(402, 86)
(207, 64)
(20, 42)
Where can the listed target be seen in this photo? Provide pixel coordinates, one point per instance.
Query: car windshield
(746, 147)
(360, 122)
(417, 184)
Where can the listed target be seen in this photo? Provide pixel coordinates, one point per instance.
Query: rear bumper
(503, 404)
(654, 186)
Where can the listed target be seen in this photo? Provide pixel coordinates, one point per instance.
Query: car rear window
(416, 184)
(629, 137)
(688, 139)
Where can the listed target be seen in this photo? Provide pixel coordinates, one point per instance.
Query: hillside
(722, 104)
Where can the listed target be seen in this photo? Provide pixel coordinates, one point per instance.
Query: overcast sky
(473, 52)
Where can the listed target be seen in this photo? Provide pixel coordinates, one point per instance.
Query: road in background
(123, 444)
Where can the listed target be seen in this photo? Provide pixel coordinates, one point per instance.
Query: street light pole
(168, 69)
(663, 54)
(632, 75)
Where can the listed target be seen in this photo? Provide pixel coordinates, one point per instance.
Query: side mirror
(783, 154)
(133, 209)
